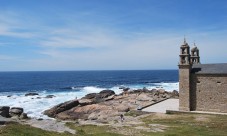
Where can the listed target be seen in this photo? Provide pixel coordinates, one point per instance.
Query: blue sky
(108, 34)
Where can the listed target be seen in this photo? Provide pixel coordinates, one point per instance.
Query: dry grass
(154, 124)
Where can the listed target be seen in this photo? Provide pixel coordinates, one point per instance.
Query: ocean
(68, 85)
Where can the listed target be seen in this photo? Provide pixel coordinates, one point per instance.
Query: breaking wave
(36, 105)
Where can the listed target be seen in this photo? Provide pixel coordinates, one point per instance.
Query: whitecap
(35, 107)
(92, 89)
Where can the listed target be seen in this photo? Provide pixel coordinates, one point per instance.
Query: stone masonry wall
(209, 92)
(184, 87)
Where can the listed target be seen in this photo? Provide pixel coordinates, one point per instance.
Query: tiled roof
(209, 68)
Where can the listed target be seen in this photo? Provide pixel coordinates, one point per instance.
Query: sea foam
(34, 106)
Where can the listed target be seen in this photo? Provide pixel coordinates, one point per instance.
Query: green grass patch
(189, 125)
(171, 124)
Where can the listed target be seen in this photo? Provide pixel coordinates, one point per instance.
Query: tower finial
(185, 40)
(194, 44)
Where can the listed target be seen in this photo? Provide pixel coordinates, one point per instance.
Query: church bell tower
(184, 77)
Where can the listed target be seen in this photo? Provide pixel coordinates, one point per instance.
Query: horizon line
(86, 70)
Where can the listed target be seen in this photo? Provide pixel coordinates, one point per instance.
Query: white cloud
(142, 51)
(109, 48)
(135, 53)
(73, 38)
(12, 33)
(11, 25)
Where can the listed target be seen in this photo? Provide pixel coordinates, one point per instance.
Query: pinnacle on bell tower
(195, 59)
(184, 54)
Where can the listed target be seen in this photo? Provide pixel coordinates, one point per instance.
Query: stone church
(202, 87)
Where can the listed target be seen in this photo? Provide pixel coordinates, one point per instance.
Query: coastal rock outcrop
(82, 112)
(126, 89)
(84, 102)
(61, 107)
(122, 108)
(175, 94)
(4, 111)
(4, 120)
(143, 97)
(50, 96)
(103, 115)
(31, 94)
(99, 106)
(90, 96)
(161, 91)
(23, 116)
(106, 93)
(102, 94)
(16, 111)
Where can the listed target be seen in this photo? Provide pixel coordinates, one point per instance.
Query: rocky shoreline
(106, 105)
(13, 112)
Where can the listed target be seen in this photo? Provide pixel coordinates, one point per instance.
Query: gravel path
(50, 125)
(169, 104)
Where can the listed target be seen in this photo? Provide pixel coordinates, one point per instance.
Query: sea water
(68, 85)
